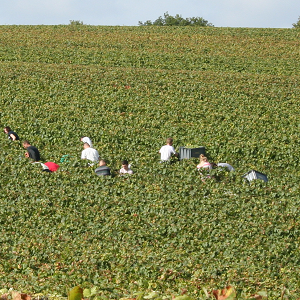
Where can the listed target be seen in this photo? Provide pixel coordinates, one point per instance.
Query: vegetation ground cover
(233, 90)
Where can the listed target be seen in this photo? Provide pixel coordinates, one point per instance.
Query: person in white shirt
(167, 150)
(89, 153)
(125, 168)
(86, 139)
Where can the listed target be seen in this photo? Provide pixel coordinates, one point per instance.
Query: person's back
(167, 150)
(103, 169)
(89, 153)
(32, 152)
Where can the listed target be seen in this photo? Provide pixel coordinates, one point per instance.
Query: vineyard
(163, 231)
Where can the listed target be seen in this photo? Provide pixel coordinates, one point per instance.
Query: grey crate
(251, 175)
(191, 152)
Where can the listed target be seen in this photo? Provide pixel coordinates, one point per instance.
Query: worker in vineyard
(90, 154)
(103, 169)
(11, 134)
(167, 150)
(86, 139)
(204, 163)
(125, 168)
(32, 152)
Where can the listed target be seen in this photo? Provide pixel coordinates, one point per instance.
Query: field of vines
(163, 231)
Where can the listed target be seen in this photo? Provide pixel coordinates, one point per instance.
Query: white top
(123, 171)
(226, 165)
(166, 152)
(90, 154)
(206, 165)
(87, 140)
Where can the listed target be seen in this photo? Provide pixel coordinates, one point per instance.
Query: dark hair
(125, 162)
(26, 142)
(7, 128)
(214, 165)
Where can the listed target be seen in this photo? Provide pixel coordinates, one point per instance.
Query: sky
(221, 13)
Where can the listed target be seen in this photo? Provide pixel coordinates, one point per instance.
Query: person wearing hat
(86, 139)
(89, 153)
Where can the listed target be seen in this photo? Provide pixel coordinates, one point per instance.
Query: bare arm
(13, 137)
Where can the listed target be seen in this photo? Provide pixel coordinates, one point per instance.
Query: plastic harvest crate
(190, 152)
(251, 175)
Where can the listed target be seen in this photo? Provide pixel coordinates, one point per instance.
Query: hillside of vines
(234, 91)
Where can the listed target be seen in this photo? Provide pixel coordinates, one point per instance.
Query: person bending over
(89, 153)
(32, 152)
(204, 163)
(103, 169)
(11, 134)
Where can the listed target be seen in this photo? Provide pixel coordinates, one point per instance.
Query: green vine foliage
(166, 230)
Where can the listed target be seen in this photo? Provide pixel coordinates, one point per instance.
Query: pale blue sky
(221, 13)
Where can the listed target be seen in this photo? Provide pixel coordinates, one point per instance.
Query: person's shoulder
(32, 148)
(95, 152)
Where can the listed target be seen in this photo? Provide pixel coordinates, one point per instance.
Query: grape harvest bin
(190, 152)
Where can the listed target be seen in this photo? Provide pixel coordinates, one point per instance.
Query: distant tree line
(297, 25)
(75, 23)
(168, 20)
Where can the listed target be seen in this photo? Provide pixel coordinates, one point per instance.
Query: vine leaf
(227, 293)
(75, 294)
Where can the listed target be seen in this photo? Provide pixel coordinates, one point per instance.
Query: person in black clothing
(11, 134)
(103, 169)
(32, 152)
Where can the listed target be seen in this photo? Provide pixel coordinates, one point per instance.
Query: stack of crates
(190, 152)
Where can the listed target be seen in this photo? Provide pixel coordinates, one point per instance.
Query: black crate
(251, 175)
(191, 152)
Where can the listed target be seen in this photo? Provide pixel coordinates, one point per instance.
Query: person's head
(26, 144)
(102, 162)
(201, 156)
(169, 141)
(125, 165)
(81, 138)
(86, 145)
(7, 129)
(213, 165)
